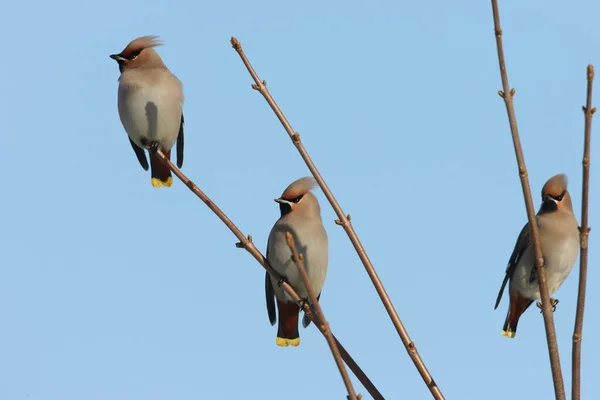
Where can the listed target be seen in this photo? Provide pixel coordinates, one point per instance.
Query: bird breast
(150, 110)
(559, 258)
(560, 247)
(311, 242)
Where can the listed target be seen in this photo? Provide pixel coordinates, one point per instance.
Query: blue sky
(111, 289)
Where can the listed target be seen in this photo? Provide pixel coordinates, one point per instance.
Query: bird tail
(287, 331)
(517, 307)
(161, 174)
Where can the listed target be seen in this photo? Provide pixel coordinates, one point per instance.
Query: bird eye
(134, 55)
(297, 199)
(560, 197)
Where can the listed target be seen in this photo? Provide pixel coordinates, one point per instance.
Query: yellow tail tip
(283, 342)
(508, 334)
(159, 183)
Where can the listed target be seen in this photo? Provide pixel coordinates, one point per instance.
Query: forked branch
(322, 323)
(588, 111)
(344, 221)
(246, 243)
(507, 94)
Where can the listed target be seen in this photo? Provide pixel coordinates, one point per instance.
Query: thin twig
(344, 221)
(323, 325)
(507, 94)
(584, 232)
(247, 244)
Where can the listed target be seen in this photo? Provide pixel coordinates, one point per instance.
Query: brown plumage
(298, 188)
(140, 52)
(300, 216)
(518, 305)
(159, 171)
(559, 238)
(557, 187)
(150, 106)
(288, 322)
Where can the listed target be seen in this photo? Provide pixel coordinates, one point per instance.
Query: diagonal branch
(507, 94)
(585, 231)
(344, 221)
(323, 325)
(247, 244)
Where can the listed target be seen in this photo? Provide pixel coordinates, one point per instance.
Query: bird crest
(299, 187)
(144, 42)
(555, 186)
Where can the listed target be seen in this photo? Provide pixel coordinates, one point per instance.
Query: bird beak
(545, 198)
(117, 57)
(280, 201)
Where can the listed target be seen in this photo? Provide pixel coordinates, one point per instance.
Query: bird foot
(281, 281)
(553, 303)
(152, 146)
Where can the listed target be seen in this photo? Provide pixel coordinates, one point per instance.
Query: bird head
(298, 199)
(555, 196)
(139, 52)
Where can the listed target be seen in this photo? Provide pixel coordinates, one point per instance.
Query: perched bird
(301, 216)
(559, 237)
(150, 106)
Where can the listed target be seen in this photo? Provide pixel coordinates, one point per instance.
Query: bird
(150, 103)
(559, 238)
(301, 216)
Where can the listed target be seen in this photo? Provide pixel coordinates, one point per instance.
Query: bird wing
(141, 156)
(305, 319)
(270, 296)
(522, 244)
(180, 144)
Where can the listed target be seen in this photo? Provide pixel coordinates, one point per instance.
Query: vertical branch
(585, 231)
(507, 94)
(344, 221)
(323, 325)
(247, 244)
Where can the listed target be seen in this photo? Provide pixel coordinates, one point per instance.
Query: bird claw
(303, 303)
(153, 147)
(553, 304)
(281, 281)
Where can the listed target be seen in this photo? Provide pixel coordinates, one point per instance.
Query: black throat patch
(549, 206)
(285, 208)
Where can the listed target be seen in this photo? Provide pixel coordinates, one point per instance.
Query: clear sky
(111, 289)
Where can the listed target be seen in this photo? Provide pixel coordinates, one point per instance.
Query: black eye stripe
(560, 197)
(133, 55)
(295, 200)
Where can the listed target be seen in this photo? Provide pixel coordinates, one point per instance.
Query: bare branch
(585, 231)
(323, 325)
(344, 221)
(247, 244)
(507, 94)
